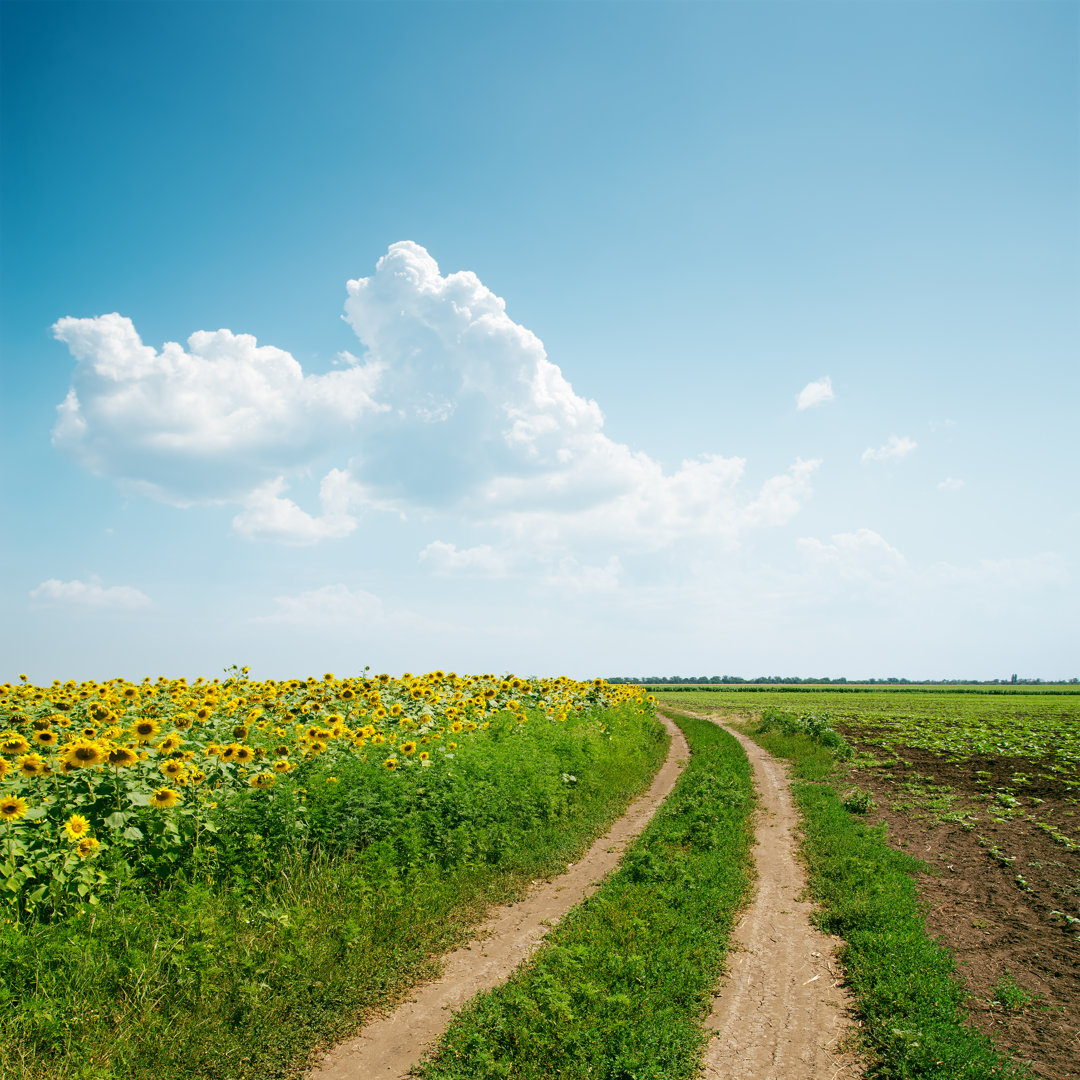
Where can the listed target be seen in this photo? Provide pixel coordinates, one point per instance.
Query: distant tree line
(794, 680)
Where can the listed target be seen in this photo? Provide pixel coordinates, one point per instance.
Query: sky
(578, 338)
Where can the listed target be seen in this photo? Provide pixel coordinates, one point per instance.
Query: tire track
(782, 1011)
(387, 1048)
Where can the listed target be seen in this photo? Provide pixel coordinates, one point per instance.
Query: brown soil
(996, 926)
(782, 1011)
(389, 1047)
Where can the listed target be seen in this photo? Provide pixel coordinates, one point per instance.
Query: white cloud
(89, 594)
(815, 393)
(859, 556)
(339, 606)
(950, 483)
(454, 408)
(895, 448)
(268, 515)
(208, 423)
(446, 560)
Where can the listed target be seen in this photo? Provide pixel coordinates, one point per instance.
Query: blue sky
(681, 337)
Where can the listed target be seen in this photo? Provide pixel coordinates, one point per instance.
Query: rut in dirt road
(386, 1049)
(781, 1012)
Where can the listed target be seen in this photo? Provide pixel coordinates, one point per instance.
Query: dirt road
(780, 1013)
(389, 1047)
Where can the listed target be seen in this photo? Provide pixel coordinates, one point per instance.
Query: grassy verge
(620, 987)
(905, 987)
(243, 966)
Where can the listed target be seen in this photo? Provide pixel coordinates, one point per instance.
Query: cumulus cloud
(815, 393)
(950, 483)
(205, 423)
(453, 408)
(268, 515)
(90, 594)
(894, 449)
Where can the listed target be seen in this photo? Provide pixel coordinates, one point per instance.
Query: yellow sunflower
(12, 808)
(165, 798)
(87, 846)
(11, 742)
(76, 827)
(31, 765)
(82, 753)
(122, 756)
(145, 730)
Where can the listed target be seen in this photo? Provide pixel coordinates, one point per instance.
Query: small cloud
(863, 555)
(92, 595)
(268, 515)
(895, 448)
(950, 483)
(446, 560)
(815, 393)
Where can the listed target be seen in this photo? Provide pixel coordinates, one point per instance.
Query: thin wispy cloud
(90, 594)
(893, 450)
(950, 483)
(815, 393)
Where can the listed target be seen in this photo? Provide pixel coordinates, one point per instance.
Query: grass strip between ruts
(620, 987)
(906, 990)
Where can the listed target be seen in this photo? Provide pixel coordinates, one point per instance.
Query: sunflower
(204, 713)
(45, 738)
(173, 769)
(82, 753)
(281, 751)
(240, 732)
(244, 754)
(169, 743)
(87, 846)
(122, 756)
(76, 827)
(347, 695)
(11, 742)
(282, 766)
(263, 780)
(145, 730)
(32, 765)
(391, 763)
(408, 747)
(5, 768)
(12, 807)
(377, 739)
(165, 798)
(424, 755)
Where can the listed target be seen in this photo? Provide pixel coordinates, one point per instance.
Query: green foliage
(618, 990)
(264, 947)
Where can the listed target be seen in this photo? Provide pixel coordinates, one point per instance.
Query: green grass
(619, 989)
(249, 962)
(906, 990)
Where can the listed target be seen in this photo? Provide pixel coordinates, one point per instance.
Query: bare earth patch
(389, 1047)
(782, 1012)
(998, 894)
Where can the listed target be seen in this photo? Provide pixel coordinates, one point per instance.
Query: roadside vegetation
(273, 862)
(620, 986)
(907, 993)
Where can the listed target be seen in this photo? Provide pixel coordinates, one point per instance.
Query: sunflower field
(268, 861)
